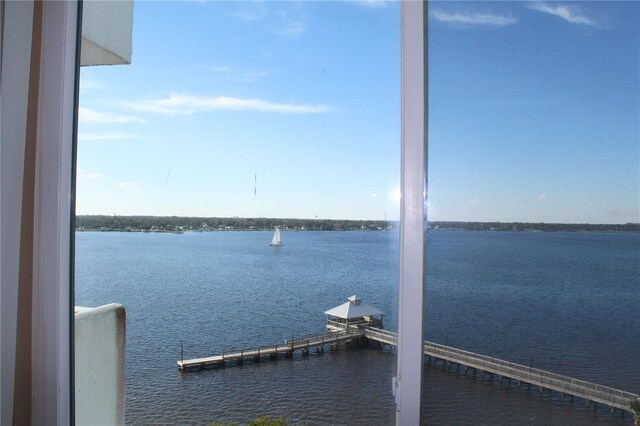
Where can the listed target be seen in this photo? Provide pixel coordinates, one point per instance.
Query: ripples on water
(566, 302)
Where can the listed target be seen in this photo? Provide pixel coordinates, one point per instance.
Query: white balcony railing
(100, 338)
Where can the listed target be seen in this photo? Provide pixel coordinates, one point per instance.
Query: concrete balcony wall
(100, 338)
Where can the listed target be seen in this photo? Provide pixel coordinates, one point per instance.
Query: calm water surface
(565, 302)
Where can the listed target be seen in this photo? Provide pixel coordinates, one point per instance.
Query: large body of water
(565, 302)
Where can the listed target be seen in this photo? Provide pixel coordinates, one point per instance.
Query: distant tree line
(180, 224)
(542, 227)
(177, 224)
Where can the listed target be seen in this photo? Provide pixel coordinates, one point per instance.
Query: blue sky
(292, 109)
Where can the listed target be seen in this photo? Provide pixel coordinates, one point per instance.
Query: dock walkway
(522, 374)
(303, 344)
(544, 380)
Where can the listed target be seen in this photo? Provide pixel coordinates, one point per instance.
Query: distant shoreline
(177, 224)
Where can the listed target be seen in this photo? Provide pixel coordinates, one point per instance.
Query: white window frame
(53, 313)
(51, 382)
(408, 383)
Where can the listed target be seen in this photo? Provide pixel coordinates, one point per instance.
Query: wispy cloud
(111, 136)
(373, 4)
(279, 19)
(289, 22)
(569, 13)
(189, 104)
(245, 75)
(253, 75)
(129, 186)
(87, 115)
(473, 18)
(81, 174)
(221, 69)
(542, 197)
(292, 29)
(87, 85)
(250, 11)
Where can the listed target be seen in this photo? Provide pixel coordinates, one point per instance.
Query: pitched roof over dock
(354, 308)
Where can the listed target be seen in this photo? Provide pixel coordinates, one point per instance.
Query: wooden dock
(302, 344)
(544, 380)
(477, 363)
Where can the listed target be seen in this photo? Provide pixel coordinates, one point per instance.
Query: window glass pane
(534, 244)
(234, 118)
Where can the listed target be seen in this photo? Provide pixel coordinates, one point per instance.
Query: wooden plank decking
(523, 374)
(614, 398)
(256, 353)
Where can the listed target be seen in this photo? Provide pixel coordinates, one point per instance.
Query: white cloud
(245, 75)
(89, 85)
(292, 29)
(81, 174)
(129, 186)
(542, 197)
(87, 115)
(105, 136)
(250, 12)
(373, 195)
(250, 76)
(569, 13)
(189, 104)
(221, 69)
(373, 4)
(473, 18)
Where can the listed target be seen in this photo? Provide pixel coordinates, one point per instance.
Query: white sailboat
(276, 238)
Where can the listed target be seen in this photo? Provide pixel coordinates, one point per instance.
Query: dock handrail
(582, 388)
(288, 346)
(521, 373)
(512, 367)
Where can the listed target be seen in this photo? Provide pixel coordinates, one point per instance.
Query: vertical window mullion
(52, 326)
(408, 385)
